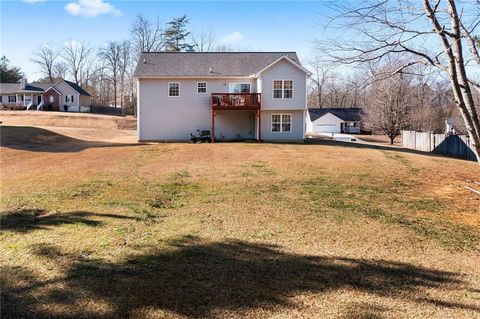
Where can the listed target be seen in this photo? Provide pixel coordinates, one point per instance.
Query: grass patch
(344, 202)
(174, 194)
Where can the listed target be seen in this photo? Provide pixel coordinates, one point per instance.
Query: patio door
(239, 88)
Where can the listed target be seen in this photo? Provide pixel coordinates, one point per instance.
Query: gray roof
(352, 114)
(12, 88)
(77, 88)
(9, 88)
(206, 64)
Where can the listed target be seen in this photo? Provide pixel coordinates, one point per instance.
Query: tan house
(62, 96)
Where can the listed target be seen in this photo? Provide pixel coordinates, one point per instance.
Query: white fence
(443, 144)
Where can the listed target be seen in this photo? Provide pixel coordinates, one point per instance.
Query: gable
(282, 70)
(328, 118)
(346, 114)
(64, 88)
(283, 60)
(52, 89)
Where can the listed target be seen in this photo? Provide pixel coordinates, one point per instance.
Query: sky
(251, 25)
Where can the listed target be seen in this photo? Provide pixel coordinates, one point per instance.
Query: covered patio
(237, 102)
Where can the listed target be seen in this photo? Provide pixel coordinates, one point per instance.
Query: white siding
(284, 70)
(328, 123)
(297, 126)
(65, 90)
(173, 118)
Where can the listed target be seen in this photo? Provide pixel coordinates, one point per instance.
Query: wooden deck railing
(236, 101)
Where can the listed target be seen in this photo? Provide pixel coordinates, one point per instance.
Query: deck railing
(236, 101)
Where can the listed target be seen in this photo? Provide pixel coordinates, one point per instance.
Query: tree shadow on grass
(205, 279)
(27, 220)
(37, 139)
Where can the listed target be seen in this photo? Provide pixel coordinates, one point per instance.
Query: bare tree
(322, 72)
(389, 106)
(437, 33)
(76, 56)
(202, 41)
(45, 57)
(111, 55)
(59, 70)
(147, 35)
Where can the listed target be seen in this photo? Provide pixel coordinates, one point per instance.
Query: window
(287, 89)
(28, 99)
(173, 89)
(282, 89)
(51, 99)
(277, 89)
(12, 99)
(202, 87)
(239, 88)
(281, 123)
(68, 98)
(0, 99)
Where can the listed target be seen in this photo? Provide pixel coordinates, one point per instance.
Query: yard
(94, 225)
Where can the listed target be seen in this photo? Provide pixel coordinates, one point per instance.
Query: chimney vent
(23, 83)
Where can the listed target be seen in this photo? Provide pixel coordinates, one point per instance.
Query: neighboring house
(235, 95)
(334, 120)
(62, 95)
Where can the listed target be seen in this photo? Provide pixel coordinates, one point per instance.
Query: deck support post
(213, 126)
(259, 126)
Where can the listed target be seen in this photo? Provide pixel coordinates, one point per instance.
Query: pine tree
(176, 34)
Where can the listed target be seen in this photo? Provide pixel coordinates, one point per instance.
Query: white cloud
(33, 1)
(91, 8)
(232, 37)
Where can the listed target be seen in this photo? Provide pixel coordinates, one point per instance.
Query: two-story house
(235, 95)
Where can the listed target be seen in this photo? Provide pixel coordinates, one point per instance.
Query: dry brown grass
(92, 228)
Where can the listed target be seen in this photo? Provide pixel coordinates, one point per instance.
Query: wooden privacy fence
(108, 110)
(443, 144)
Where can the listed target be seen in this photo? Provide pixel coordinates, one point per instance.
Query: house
(62, 95)
(334, 120)
(234, 95)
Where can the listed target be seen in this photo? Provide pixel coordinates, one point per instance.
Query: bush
(12, 106)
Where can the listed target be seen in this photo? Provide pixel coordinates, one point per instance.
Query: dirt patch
(381, 139)
(63, 119)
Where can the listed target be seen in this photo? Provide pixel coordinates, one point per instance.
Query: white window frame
(206, 87)
(14, 98)
(281, 123)
(240, 83)
(51, 99)
(68, 98)
(168, 89)
(283, 89)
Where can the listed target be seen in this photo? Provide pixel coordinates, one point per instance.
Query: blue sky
(253, 25)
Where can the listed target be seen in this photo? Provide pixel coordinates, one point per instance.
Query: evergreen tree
(9, 74)
(176, 34)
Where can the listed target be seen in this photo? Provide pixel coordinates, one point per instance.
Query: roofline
(25, 91)
(67, 82)
(289, 60)
(329, 112)
(194, 77)
(235, 52)
(52, 88)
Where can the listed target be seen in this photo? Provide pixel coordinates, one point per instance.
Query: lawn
(95, 226)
